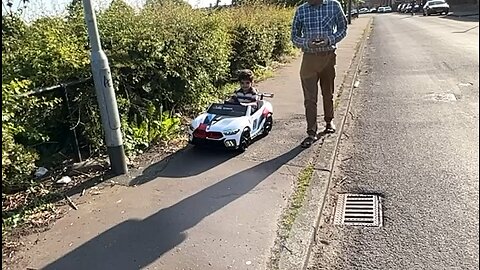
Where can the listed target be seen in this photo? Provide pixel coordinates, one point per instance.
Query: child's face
(245, 85)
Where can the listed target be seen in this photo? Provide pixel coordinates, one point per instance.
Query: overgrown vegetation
(301, 188)
(167, 60)
(290, 213)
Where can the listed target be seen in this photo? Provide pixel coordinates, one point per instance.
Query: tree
(163, 2)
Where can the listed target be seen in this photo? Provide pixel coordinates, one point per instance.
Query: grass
(298, 197)
(287, 220)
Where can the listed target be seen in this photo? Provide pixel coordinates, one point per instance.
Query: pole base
(116, 154)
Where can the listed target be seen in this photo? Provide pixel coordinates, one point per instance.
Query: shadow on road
(187, 162)
(466, 30)
(134, 244)
(449, 17)
(462, 19)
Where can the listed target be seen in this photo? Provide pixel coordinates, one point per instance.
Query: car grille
(214, 135)
(211, 143)
(199, 133)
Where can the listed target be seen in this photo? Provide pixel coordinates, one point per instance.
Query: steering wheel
(232, 100)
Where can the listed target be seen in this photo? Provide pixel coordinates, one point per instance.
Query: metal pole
(105, 94)
(349, 11)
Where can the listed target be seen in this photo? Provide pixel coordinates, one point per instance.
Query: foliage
(257, 41)
(253, 40)
(166, 58)
(20, 119)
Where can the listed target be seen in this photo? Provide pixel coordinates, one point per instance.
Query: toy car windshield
(228, 109)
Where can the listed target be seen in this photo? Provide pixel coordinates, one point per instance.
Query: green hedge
(165, 59)
(260, 34)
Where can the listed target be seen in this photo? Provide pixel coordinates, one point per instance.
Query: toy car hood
(215, 122)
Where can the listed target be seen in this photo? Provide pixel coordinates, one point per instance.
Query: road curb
(297, 250)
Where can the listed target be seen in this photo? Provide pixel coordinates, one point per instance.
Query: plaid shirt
(325, 20)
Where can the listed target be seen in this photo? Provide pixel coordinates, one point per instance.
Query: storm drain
(358, 210)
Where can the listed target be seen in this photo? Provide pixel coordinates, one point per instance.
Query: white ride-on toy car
(232, 125)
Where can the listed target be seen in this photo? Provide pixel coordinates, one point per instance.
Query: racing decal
(208, 119)
(263, 116)
(201, 131)
(202, 127)
(211, 119)
(265, 112)
(216, 119)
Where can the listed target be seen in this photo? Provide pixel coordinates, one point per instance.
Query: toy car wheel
(268, 125)
(244, 141)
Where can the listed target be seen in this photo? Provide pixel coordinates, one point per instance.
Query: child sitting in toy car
(247, 93)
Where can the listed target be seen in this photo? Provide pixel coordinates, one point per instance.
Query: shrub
(165, 58)
(17, 160)
(253, 38)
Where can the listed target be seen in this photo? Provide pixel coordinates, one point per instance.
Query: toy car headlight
(231, 131)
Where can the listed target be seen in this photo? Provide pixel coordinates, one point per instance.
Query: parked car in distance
(408, 8)
(435, 7)
(373, 10)
(385, 9)
(354, 13)
(416, 9)
(363, 10)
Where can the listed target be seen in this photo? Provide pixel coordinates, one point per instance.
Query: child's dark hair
(245, 75)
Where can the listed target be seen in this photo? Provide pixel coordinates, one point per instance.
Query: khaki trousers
(318, 67)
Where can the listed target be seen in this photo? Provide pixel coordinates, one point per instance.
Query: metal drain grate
(358, 210)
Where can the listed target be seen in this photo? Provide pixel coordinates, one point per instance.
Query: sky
(38, 8)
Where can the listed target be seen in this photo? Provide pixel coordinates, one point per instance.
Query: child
(247, 93)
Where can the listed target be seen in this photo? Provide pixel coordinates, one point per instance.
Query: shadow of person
(134, 244)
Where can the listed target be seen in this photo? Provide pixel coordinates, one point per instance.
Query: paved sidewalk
(195, 210)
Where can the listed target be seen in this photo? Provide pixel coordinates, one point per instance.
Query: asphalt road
(412, 138)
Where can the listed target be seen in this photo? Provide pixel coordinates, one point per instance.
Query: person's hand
(317, 42)
(231, 100)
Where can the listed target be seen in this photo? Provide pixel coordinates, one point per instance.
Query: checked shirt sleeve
(341, 22)
(297, 27)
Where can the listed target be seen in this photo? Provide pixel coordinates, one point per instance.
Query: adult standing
(317, 27)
